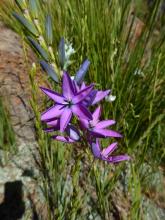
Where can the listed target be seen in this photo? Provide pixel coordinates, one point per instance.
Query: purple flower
(105, 154)
(67, 103)
(75, 99)
(71, 131)
(94, 96)
(96, 127)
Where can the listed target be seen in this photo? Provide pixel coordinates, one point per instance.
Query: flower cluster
(70, 115)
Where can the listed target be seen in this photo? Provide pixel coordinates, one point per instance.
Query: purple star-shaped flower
(96, 127)
(105, 153)
(68, 103)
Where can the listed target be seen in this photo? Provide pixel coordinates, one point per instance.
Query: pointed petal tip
(106, 133)
(115, 134)
(97, 113)
(58, 98)
(43, 118)
(99, 96)
(105, 123)
(120, 135)
(95, 147)
(110, 149)
(42, 88)
(53, 112)
(79, 77)
(63, 139)
(87, 61)
(128, 157)
(67, 86)
(118, 159)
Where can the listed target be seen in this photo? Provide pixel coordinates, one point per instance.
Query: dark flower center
(70, 103)
(91, 126)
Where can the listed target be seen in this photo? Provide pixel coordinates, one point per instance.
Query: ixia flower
(105, 154)
(97, 128)
(67, 103)
(75, 99)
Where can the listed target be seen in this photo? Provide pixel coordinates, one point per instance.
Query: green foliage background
(102, 31)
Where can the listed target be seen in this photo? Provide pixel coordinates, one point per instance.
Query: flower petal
(96, 114)
(117, 159)
(53, 95)
(53, 122)
(96, 134)
(90, 98)
(76, 87)
(83, 86)
(55, 125)
(63, 139)
(96, 149)
(84, 123)
(105, 123)
(67, 86)
(82, 94)
(107, 133)
(99, 96)
(82, 71)
(106, 151)
(81, 111)
(73, 133)
(52, 112)
(65, 118)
